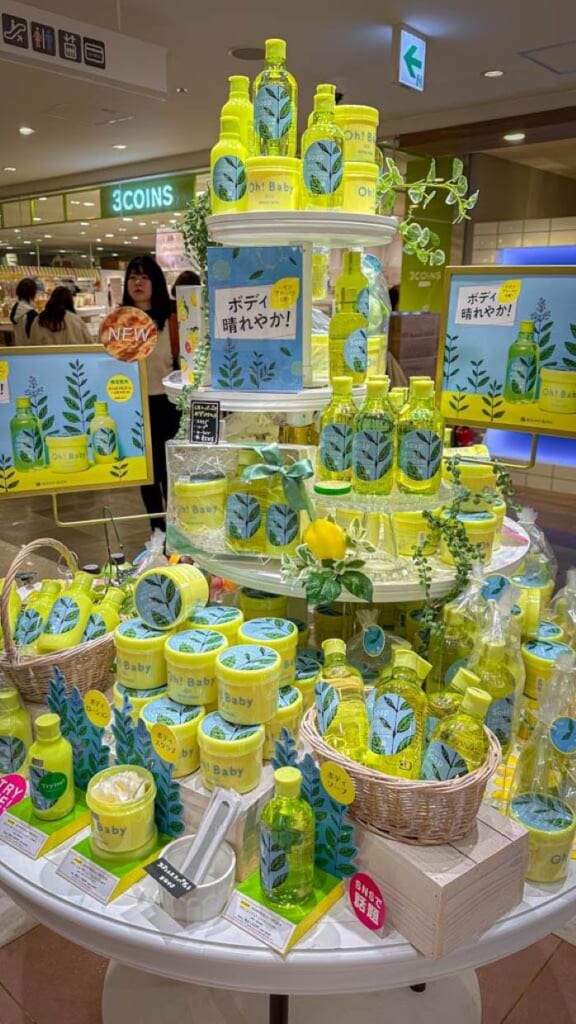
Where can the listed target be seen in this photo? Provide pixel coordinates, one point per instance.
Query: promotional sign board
(493, 373)
(71, 419)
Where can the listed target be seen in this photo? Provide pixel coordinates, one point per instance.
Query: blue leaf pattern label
(215, 614)
(549, 631)
(248, 658)
(548, 649)
(169, 712)
(372, 454)
(229, 178)
(29, 446)
(95, 627)
(273, 111)
(12, 754)
(196, 641)
(373, 641)
(323, 167)
(104, 441)
(420, 454)
(494, 587)
(46, 788)
(287, 695)
(563, 734)
(63, 616)
(442, 762)
(393, 726)
(158, 599)
(499, 718)
(274, 866)
(270, 629)
(336, 447)
(28, 627)
(522, 375)
(363, 302)
(308, 663)
(243, 516)
(130, 691)
(327, 701)
(281, 525)
(135, 629)
(541, 811)
(216, 727)
(356, 351)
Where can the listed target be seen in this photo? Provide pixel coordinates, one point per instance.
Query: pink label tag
(12, 791)
(367, 901)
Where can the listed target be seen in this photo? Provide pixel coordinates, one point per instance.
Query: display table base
(131, 995)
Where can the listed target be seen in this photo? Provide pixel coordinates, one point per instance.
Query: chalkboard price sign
(204, 422)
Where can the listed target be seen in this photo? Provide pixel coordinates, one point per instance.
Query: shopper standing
(24, 312)
(145, 287)
(59, 323)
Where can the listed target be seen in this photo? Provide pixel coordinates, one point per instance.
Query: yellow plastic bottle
(14, 607)
(103, 435)
(51, 771)
(322, 159)
(322, 90)
(15, 732)
(420, 441)
(33, 616)
(396, 740)
(228, 169)
(341, 703)
(373, 442)
(68, 617)
(446, 702)
(239, 105)
(459, 744)
(105, 616)
(245, 521)
(398, 398)
(348, 329)
(282, 522)
(450, 649)
(334, 456)
(490, 664)
(275, 97)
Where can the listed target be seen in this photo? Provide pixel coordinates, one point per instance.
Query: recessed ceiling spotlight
(126, 243)
(128, 219)
(9, 170)
(84, 224)
(135, 238)
(83, 257)
(88, 204)
(99, 248)
(141, 223)
(27, 243)
(47, 236)
(108, 236)
(493, 73)
(514, 136)
(119, 145)
(181, 89)
(247, 52)
(98, 239)
(122, 231)
(25, 130)
(82, 232)
(16, 231)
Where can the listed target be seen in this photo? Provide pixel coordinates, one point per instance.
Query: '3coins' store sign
(147, 195)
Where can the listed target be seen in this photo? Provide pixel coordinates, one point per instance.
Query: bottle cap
(323, 101)
(229, 125)
(377, 387)
(334, 646)
(463, 679)
(287, 782)
(333, 487)
(404, 658)
(22, 403)
(423, 388)
(113, 596)
(83, 579)
(342, 385)
(275, 51)
(239, 84)
(476, 702)
(117, 558)
(48, 727)
(50, 587)
(299, 419)
(526, 326)
(9, 701)
(100, 408)
(326, 89)
(92, 569)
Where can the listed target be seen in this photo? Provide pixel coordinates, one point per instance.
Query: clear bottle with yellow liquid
(489, 662)
(275, 98)
(323, 159)
(398, 399)
(451, 648)
(373, 441)
(348, 329)
(34, 615)
(420, 441)
(51, 771)
(228, 169)
(103, 435)
(523, 364)
(299, 428)
(105, 616)
(341, 703)
(68, 616)
(27, 439)
(287, 842)
(400, 710)
(334, 457)
(15, 732)
(245, 517)
(239, 105)
(459, 744)
(446, 702)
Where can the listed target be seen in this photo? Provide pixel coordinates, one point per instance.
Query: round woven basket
(423, 813)
(87, 665)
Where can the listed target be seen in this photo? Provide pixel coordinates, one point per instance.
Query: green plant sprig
(420, 241)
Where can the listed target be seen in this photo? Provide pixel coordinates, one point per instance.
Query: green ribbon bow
(292, 475)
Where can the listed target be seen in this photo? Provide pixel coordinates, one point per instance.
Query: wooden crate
(440, 897)
(244, 835)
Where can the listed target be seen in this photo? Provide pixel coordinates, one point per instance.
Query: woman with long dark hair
(24, 312)
(145, 287)
(59, 323)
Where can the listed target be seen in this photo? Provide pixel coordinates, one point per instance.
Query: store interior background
(87, 136)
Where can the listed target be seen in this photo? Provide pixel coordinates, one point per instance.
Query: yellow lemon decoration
(325, 539)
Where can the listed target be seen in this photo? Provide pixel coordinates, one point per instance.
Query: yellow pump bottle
(348, 329)
(51, 771)
(228, 169)
(239, 105)
(275, 96)
(68, 617)
(323, 159)
(104, 435)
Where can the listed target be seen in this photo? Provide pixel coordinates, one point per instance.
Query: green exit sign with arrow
(410, 58)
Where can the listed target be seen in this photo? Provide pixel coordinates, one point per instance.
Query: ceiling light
(119, 145)
(247, 52)
(514, 137)
(181, 89)
(9, 170)
(135, 238)
(114, 253)
(493, 73)
(61, 250)
(98, 239)
(99, 248)
(83, 257)
(154, 222)
(84, 224)
(24, 130)
(42, 199)
(128, 219)
(27, 243)
(47, 236)
(74, 202)
(126, 243)
(16, 231)
(108, 236)
(82, 232)
(37, 218)
(88, 204)
(122, 231)
(141, 223)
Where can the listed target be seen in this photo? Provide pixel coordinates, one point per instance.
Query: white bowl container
(208, 899)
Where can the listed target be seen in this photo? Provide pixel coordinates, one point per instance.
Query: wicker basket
(423, 813)
(86, 666)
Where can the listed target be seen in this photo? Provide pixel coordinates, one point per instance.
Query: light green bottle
(228, 169)
(322, 90)
(459, 744)
(287, 842)
(239, 105)
(334, 456)
(373, 442)
(15, 732)
(348, 329)
(34, 615)
(104, 435)
(522, 366)
(442, 703)
(400, 710)
(68, 617)
(489, 662)
(27, 439)
(322, 159)
(51, 771)
(105, 616)
(341, 703)
(245, 517)
(275, 97)
(420, 439)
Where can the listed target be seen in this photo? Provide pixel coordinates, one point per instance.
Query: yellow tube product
(558, 391)
(248, 683)
(480, 529)
(359, 125)
(288, 716)
(230, 755)
(360, 187)
(169, 595)
(121, 805)
(191, 665)
(539, 658)
(138, 698)
(551, 826)
(221, 617)
(140, 662)
(51, 771)
(15, 732)
(273, 183)
(183, 721)
(200, 501)
(68, 454)
(255, 604)
(279, 634)
(412, 529)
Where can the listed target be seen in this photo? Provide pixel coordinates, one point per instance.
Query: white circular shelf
(293, 227)
(255, 573)
(308, 400)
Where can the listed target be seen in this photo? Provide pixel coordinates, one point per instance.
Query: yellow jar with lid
(230, 755)
(539, 657)
(303, 632)
(360, 187)
(167, 596)
(183, 721)
(411, 529)
(360, 126)
(273, 183)
(222, 617)
(248, 683)
(68, 454)
(332, 620)
(256, 603)
(550, 631)
(308, 667)
(121, 804)
(140, 663)
(558, 391)
(480, 529)
(279, 634)
(551, 826)
(288, 716)
(191, 665)
(138, 698)
(200, 501)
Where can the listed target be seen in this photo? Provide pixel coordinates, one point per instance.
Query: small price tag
(367, 901)
(337, 783)
(12, 791)
(260, 921)
(204, 422)
(169, 878)
(21, 836)
(165, 743)
(87, 876)
(509, 291)
(97, 708)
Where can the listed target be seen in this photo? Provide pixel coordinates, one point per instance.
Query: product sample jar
(200, 502)
(279, 634)
(410, 530)
(539, 658)
(551, 825)
(121, 805)
(288, 716)
(248, 683)
(256, 603)
(480, 529)
(360, 187)
(183, 721)
(359, 125)
(221, 617)
(140, 663)
(230, 755)
(167, 596)
(191, 665)
(138, 698)
(557, 391)
(273, 182)
(68, 454)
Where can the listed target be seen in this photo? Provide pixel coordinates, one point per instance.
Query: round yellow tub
(480, 529)
(410, 530)
(558, 391)
(191, 665)
(121, 804)
(199, 503)
(183, 721)
(140, 663)
(273, 182)
(230, 755)
(248, 683)
(68, 454)
(167, 596)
